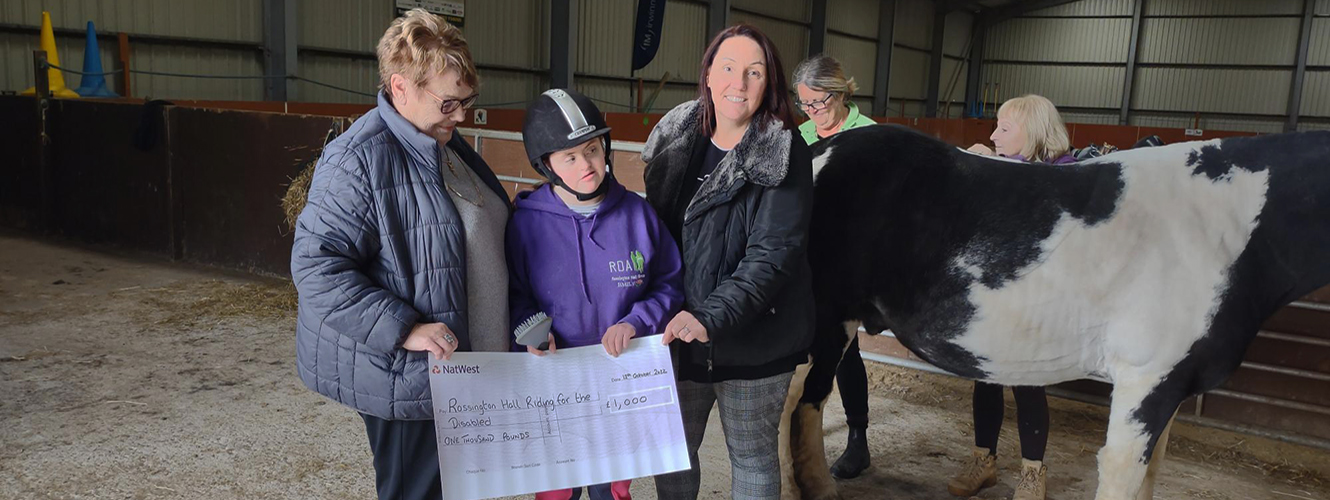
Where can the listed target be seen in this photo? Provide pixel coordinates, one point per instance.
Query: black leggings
(406, 458)
(1031, 418)
(852, 380)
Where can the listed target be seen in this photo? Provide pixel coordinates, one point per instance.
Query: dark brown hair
(775, 100)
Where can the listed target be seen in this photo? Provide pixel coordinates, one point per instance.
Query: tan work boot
(979, 473)
(1034, 480)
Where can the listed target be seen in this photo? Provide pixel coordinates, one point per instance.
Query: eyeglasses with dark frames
(449, 105)
(817, 105)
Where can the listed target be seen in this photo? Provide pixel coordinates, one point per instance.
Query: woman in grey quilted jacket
(399, 252)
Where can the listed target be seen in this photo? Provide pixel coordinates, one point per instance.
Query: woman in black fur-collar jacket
(732, 179)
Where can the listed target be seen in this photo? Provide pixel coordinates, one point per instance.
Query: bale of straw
(297, 192)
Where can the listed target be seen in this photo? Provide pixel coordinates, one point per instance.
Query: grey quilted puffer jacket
(378, 248)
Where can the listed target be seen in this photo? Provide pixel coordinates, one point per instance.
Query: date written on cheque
(637, 375)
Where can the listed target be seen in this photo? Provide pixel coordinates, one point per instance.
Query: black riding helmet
(560, 119)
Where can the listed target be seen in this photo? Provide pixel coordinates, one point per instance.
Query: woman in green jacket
(824, 95)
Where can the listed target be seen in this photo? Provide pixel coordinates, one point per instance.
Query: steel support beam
(279, 49)
(817, 28)
(886, 37)
(563, 43)
(1300, 74)
(935, 60)
(1130, 79)
(975, 68)
(718, 18)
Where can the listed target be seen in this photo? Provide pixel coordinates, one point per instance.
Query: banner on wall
(646, 34)
(452, 10)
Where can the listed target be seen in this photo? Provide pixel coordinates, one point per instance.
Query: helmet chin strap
(600, 190)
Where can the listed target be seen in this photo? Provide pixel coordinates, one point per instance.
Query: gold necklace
(480, 196)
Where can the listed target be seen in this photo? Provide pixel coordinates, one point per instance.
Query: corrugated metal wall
(1317, 103)
(604, 54)
(859, 60)
(1017, 53)
(680, 54)
(914, 23)
(852, 39)
(791, 39)
(509, 40)
(1221, 64)
(1222, 7)
(1196, 56)
(347, 25)
(511, 33)
(1251, 41)
(909, 75)
(794, 10)
(912, 49)
(682, 43)
(198, 61)
(342, 24)
(856, 17)
(355, 73)
(605, 49)
(1066, 86)
(238, 22)
(913, 35)
(506, 33)
(1088, 8)
(1212, 90)
(1059, 40)
(1319, 46)
(956, 41)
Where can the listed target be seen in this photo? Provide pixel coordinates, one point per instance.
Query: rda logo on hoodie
(630, 272)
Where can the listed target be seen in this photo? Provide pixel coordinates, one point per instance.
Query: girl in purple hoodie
(583, 250)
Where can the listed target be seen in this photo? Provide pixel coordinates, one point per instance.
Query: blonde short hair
(419, 45)
(1045, 134)
(824, 73)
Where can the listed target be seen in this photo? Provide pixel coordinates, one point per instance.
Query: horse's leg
(1156, 460)
(1140, 413)
(812, 476)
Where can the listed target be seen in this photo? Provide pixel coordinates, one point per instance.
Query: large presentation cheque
(514, 424)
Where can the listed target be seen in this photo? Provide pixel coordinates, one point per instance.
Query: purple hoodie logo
(629, 272)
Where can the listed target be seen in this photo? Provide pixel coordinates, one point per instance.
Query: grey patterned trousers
(750, 417)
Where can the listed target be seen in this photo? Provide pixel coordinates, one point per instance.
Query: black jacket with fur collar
(746, 275)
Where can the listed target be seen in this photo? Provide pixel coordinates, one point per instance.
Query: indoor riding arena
(238, 238)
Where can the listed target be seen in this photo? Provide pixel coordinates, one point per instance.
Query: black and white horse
(1150, 268)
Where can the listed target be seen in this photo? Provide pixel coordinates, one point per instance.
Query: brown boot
(979, 472)
(1034, 481)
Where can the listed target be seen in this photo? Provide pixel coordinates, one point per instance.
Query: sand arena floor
(132, 377)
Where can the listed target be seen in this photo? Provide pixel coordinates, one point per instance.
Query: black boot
(855, 459)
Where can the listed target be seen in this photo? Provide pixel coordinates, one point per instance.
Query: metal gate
(1281, 390)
